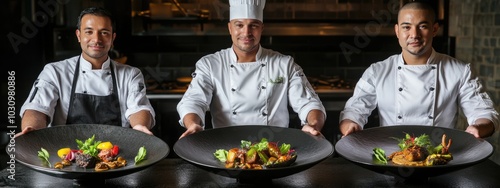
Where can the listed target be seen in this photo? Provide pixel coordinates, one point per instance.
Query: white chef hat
(246, 9)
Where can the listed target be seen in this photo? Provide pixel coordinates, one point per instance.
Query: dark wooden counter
(333, 172)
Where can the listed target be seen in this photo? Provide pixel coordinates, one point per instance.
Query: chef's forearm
(142, 117)
(316, 119)
(191, 119)
(485, 127)
(34, 119)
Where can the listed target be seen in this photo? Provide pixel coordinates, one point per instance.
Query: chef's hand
(142, 128)
(193, 128)
(347, 127)
(315, 122)
(24, 131)
(481, 129)
(310, 129)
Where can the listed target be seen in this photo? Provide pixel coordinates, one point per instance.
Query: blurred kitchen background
(333, 40)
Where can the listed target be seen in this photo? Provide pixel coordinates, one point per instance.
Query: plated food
(99, 155)
(198, 149)
(466, 149)
(417, 151)
(258, 155)
(54, 138)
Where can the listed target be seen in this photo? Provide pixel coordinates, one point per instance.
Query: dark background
(54, 39)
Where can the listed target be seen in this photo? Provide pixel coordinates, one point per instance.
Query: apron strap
(73, 84)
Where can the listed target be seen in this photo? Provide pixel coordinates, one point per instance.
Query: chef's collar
(86, 65)
(432, 57)
(430, 60)
(234, 58)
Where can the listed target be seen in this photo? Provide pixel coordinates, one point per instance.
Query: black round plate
(198, 149)
(54, 138)
(465, 148)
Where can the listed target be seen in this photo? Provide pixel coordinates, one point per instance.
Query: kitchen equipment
(329, 82)
(54, 138)
(178, 5)
(198, 149)
(184, 79)
(160, 11)
(465, 148)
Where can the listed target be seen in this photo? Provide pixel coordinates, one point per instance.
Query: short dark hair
(420, 5)
(97, 11)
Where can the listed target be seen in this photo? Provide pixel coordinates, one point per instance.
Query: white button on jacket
(428, 94)
(252, 93)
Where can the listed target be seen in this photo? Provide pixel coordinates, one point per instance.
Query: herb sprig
(89, 146)
(44, 155)
(141, 155)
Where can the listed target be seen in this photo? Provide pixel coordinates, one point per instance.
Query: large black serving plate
(465, 148)
(198, 149)
(54, 138)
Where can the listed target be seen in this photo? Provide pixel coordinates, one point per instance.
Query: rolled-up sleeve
(198, 96)
(474, 101)
(363, 101)
(137, 99)
(302, 97)
(43, 98)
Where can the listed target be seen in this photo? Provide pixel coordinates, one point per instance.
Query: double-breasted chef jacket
(250, 93)
(429, 94)
(51, 91)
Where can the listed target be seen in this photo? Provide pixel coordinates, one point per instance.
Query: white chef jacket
(253, 93)
(52, 90)
(428, 94)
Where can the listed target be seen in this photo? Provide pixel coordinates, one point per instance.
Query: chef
(247, 84)
(420, 86)
(89, 88)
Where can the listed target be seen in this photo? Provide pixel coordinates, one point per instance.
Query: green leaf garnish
(221, 154)
(141, 154)
(379, 155)
(44, 155)
(285, 148)
(89, 146)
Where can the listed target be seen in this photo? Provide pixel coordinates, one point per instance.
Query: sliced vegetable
(141, 154)
(105, 145)
(251, 155)
(44, 155)
(263, 157)
(70, 156)
(115, 150)
(63, 152)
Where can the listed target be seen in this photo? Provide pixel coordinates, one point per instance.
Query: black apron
(92, 109)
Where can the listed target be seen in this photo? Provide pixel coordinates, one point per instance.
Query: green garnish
(89, 146)
(140, 155)
(262, 145)
(44, 155)
(221, 154)
(285, 148)
(379, 155)
(245, 144)
(422, 141)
